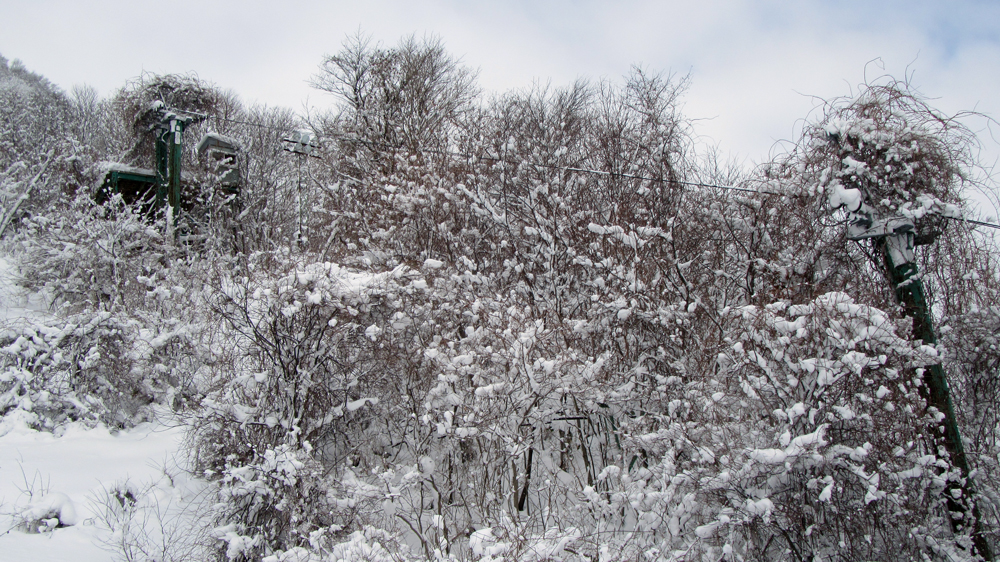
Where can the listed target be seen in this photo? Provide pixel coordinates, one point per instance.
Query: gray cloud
(754, 65)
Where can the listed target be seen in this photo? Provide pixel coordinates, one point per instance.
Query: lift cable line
(551, 166)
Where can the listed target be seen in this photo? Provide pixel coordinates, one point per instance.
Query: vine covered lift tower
(895, 239)
(161, 187)
(169, 131)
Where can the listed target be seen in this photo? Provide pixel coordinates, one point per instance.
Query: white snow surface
(62, 478)
(75, 468)
(839, 196)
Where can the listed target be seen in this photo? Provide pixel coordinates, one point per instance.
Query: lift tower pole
(895, 240)
(169, 132)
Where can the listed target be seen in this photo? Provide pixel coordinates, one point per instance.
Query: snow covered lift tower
(895, 238)
(136, 184)
(169, 130)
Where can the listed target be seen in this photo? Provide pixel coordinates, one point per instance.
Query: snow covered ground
(71, 474)
(82, 464)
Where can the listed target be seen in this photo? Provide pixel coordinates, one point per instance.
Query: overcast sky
(756, 67)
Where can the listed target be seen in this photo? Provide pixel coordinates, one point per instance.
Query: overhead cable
(568, 168)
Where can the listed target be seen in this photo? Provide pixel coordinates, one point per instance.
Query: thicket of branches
(529, 326)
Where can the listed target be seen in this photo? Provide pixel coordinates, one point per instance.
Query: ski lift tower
(895, 238)
(169, 129)
(303, 143)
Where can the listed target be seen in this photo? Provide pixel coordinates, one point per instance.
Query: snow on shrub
(613, 365)
(130, 326)
(885, 146)
(89, 256)
(76, 368)
(308, 370)
(52, 510)
(795, 443)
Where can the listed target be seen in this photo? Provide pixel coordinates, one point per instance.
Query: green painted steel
(162, 167)
(169, 146)
(910, 295)
(174, 188)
